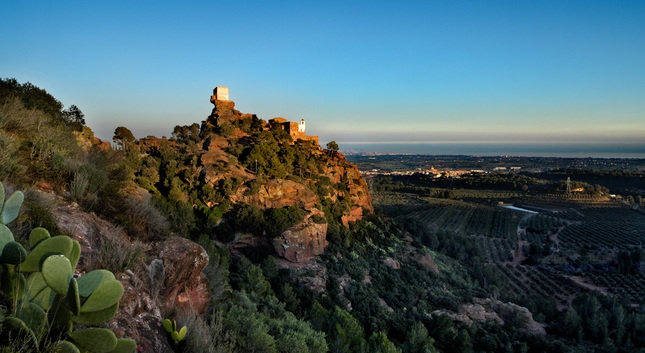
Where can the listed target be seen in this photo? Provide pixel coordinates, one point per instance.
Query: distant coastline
(564, 150)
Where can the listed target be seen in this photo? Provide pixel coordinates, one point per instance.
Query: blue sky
(357, 71)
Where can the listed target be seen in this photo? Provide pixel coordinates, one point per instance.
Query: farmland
(575, 243)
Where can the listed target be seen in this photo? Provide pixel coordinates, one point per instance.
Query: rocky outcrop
(185, 286)
(224, 112)
(341, 171)
(218, 165)
(482, 310)
(223, 171)
(181, 285)
(392, 263)
(427, 261)
(139, 316)
(278, 193)
(303, 241)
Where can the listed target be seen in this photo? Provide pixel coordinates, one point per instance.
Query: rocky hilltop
(235, 159)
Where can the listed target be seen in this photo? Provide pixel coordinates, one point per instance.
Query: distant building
(295, 130)
(224, 112)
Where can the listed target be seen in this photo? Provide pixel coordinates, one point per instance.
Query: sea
(563, 150)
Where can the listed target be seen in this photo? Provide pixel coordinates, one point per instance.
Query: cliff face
(278, 193)
(341, 171)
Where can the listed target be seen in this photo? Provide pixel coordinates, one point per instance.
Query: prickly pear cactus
(171, 328)
(44, 306)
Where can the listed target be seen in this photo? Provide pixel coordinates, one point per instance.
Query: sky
(356, 71)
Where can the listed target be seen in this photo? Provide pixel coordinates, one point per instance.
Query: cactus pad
(75, 255)
(89, 282)
(5, 236)
(45, 298)
(73, 300)
(106, 295)
(97, 340)
(58, 245)
(13, 283)
(13, 253)
(36, 236)
(13, 324)
(34, 317)
(168, 325)
(64, 347)
(178, 336)
(35, 285)
(96, 317)
(57, 271)
(125, 345)
(11, 207)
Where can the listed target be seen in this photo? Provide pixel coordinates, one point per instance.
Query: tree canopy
(123, 136)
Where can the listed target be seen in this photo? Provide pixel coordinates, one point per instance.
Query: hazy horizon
(561, 150)
(445, 72)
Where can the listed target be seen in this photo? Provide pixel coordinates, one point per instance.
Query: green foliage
(280, 219)
(332, 146)
(263, 157)
(31, 96)
(266, 327)
(418, 340)
(36, 140)
(123, 137)
(247, 218)
(74, 117)
(379, 343)
(179, 215)
(186, 134)
(226, 129)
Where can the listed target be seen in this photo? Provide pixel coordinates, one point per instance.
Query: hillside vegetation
(298, 261)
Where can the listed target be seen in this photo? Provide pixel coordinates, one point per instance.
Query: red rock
(303, 241)
(278, 193)
(185, 286)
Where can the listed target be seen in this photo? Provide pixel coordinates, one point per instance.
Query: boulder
(185, 286)
(303, 241)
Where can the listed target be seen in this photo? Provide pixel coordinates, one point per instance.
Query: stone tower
(220, 93)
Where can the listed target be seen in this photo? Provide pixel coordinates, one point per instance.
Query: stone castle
(220, 99)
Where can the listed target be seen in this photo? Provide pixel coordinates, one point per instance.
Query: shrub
(280, 219)
(143, 220)
(119, 256)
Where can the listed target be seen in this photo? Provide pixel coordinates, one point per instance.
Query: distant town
(455, 166)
